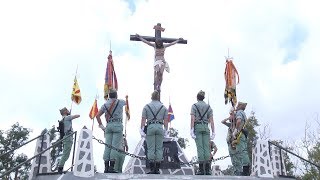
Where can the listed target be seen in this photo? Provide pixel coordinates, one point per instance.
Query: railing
(284, 149)
(20, 146)
(39, 154)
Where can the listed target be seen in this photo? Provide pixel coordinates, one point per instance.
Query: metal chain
(144, 158)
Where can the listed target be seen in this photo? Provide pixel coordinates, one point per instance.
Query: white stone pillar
(261, 164)
(84, 164)
(216, 171)
(45, 166)
(275, 160)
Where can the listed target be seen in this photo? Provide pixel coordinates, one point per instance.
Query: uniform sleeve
(103, 108)
(122, 102)
(239, 115)
(193, 110)
(68, 118)
(165, 113)
(144, 112)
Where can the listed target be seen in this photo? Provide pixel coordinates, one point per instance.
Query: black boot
(157, 167)
(152, 168)
(246, 171)
(60, 170)
(106, 166)
(200, 170)
(208, 169)
(111, 167)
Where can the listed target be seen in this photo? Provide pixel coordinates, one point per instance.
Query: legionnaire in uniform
(156, 115)
(242, 162)
(67, 143)
(201, 116)
(230, 123)
(121, 156)
(113, 110)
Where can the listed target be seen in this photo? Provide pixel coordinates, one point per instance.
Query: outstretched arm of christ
(145, 41)
(173, 43)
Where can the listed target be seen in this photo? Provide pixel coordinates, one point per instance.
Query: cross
(157, 34)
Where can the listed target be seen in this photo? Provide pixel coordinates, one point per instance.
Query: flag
(111, 78)
(127, 108)
(76, 94)
(170, 113)
(94, 110)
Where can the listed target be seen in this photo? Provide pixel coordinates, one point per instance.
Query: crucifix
(159, 47)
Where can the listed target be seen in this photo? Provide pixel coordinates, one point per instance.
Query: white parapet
(45, 166)
(84, 164)
(261, 163)
(275, 159)
(216, 171)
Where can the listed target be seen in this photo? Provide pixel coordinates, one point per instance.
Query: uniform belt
(154, 122)
(115, 120)
(201, 122)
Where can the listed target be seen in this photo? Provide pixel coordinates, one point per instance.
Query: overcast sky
(274, 44)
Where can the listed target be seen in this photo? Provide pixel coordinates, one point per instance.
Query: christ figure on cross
(160, 63)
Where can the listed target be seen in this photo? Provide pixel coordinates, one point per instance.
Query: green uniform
(121, 156)
(155, 134)
(241, 157)
(67, 143)
(201, 129)
(113, 110)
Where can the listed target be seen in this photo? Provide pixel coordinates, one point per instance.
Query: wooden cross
(157, 34)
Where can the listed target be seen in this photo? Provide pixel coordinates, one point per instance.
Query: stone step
(70, 176)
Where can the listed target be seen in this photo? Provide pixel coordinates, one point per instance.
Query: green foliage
(312, 172)
(9, 140)
(183, 142)
(252, 133)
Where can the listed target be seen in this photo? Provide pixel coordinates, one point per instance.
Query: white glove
(192, 133)
(102, 127)
(142, 132)
(212, 136)
(234, 133)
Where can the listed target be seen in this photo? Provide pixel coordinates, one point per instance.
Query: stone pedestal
(84, 164)
(45, 166)
(216, 171)
(137, 166)
(275, 159)
(261, 164)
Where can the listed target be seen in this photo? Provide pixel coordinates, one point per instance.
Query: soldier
(201, 115)
(121, 156)
(113, 110)
(230, 125)
(156, 115)
(242, 161)
(67, 143)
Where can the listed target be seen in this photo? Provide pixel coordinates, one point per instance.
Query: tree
(252, 124)
(10, 140)
(183, 142)
(311, 145)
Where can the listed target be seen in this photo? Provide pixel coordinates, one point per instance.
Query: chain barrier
(144, 158)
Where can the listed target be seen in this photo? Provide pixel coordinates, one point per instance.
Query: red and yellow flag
(111, 81)
(127, 108)
(94, 110)
(76, 94)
